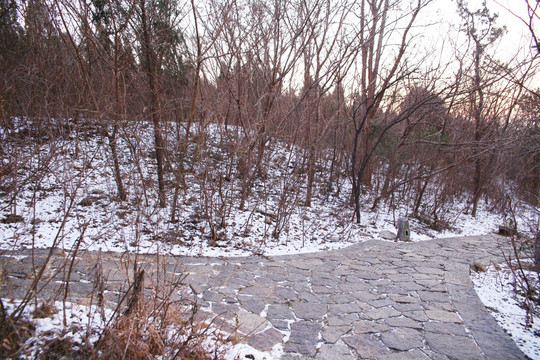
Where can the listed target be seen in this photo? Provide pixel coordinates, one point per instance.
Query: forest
(198, 110)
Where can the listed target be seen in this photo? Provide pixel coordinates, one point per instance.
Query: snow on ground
(79, 182)
(81, 322)
(74, 200)
(495, 289)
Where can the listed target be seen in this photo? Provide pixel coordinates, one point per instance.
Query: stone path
(374, 300)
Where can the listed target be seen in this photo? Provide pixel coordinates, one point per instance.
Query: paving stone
(427, 282)
(304, 332)
(380, 303)
(286, 293)
(319, 289)
(416, 315)
(343, 308)
(380, 313)
(302, 349)
(256, 291)
(307, 264)
(402, 339)
(280, 324)
(369, 326)
(342, 298)
(411, 286)
(445, 328)
(249, 323)
(225, 310)
(331, 334)
(265, 340)
(338, 351)
(408, 307)
(365, 297)
(400, 277)
(209, 295)
(404, 299)
(403, 322)
(310, 297)
(279, 312)
(341, 319)
(455, 347)
(406, 355)
(366, 346)
(442, 315)
(439, 306)
(309, 311)
(457, 279)
(252, 304)
(434, 296)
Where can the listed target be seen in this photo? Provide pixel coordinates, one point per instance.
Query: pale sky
(518, 35)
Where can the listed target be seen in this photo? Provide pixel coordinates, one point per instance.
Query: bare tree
(374, 29)
(481, 30)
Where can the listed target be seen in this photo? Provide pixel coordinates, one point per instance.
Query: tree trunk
(150, 68)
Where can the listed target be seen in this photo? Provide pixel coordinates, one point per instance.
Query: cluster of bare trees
(348, 86)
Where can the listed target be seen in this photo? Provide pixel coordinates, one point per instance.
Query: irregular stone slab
(342, 298)
(252, 304)
(305, 332)
(402, 339)
(332, 334)
(256, 291)
(343, 308)
(411, 286)
(404, 299)
(419, 315)
(279, 312)
(381, 313)
(311, 264)
(249, 323)
(366, 346)
(439, 306)
(302, 349)
(434, 296)
(265, 340)
(338, 351)
(286, 293)
(341, 319)
(445, 316)
(225, 310)
(455, 347)
(445, 328)
(380, 303)
(367, 326)
(309, 311)
(403, 322)
(280, 324)
(458, 279)
(406, 355)
(310, 297)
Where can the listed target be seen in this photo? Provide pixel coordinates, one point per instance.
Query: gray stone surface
(335, 352)
(366, 346)
(375, 299)
(402, 339)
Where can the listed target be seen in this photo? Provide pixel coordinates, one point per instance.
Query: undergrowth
(151, 320)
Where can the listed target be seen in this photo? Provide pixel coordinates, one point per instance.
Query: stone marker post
(403, 233)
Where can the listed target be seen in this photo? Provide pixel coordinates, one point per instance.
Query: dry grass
(146, 324)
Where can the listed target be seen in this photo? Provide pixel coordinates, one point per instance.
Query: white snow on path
(495, 288)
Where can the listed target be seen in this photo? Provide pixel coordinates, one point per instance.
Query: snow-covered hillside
(65, 192)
